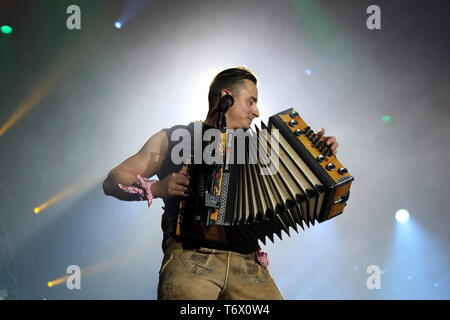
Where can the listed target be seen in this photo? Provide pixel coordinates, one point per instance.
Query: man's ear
(225, 92)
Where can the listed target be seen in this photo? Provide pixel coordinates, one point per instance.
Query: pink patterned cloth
(262, 258)
(140, 187)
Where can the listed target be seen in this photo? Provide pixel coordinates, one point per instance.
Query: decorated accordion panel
(271, 180)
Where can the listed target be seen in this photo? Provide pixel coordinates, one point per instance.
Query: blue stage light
(118, 25)
(402, 215)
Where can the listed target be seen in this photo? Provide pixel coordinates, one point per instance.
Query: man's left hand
(330, 141)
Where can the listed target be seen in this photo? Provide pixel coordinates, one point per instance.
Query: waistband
(193, 244)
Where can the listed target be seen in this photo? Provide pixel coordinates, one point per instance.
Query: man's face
(244, 109)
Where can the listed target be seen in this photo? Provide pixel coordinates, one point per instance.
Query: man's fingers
(178, 193)
(334, 147)
(183, 172)
(174, 186)
(331, 140)
(321, 136)
(181, 179)
(321, 132)
(183, 169)
(334, 151)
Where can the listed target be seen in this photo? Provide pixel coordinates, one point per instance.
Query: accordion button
(342, 170)
(298, 132)
(330, 166)
(294, 114)
(292, 123)
(321, 158)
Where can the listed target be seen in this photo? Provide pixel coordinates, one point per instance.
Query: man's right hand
(175, 184)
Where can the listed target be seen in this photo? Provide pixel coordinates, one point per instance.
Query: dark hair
(230, 79)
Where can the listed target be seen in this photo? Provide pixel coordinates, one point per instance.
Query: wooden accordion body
(234, 204)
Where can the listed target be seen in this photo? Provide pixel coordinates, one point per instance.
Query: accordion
(283, 177)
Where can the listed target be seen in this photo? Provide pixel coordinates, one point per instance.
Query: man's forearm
(119, 176)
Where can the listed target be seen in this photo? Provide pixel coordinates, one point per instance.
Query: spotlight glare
(308, 72)
(57, 281)
(402, 215)
(386, 119)
(6, 29)
(118, 25)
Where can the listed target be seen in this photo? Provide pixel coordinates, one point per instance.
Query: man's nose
(255, 112)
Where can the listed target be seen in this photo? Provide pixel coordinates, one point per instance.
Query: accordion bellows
(252, 200)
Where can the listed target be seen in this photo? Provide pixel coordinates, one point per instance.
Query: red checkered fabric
(262, 258)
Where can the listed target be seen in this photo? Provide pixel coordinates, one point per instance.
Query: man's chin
(244, 126)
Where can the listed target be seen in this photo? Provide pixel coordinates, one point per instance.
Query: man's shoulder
(189, 127)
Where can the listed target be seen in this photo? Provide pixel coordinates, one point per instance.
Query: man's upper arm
(148, 160)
